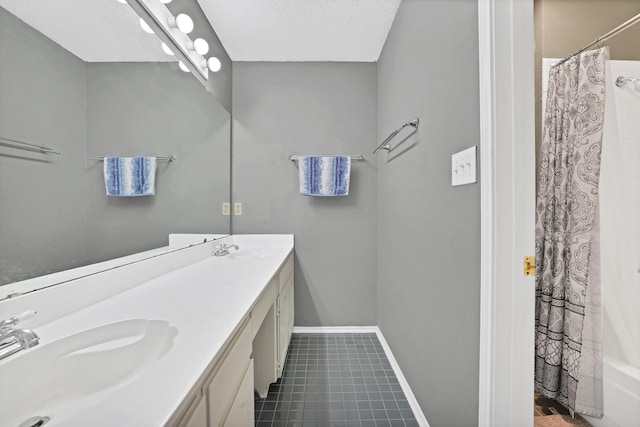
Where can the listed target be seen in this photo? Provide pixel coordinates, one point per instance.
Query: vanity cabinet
(223, 388)
(227, 393)
(272, 320)
(264, 326)
(252, 361)
(242, 409)
(285, 312)
(196, 415)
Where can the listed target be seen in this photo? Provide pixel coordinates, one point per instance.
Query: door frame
(507, 152)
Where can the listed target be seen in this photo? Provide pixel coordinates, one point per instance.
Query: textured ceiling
(93, 30)
(302, 30)
(250, 30)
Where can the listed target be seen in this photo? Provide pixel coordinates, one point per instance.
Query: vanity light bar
(161, 18)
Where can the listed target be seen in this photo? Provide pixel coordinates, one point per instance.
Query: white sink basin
(38, 381)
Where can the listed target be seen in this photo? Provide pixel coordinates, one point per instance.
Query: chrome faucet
(13, 340)
(223, 249)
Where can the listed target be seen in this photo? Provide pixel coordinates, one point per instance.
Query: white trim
(485, 36)
(334, 329)
(411, 398)
(507, 145)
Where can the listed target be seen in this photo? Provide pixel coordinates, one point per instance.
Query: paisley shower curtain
(568, 359)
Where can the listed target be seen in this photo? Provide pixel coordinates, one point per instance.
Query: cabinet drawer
(263, 305)
(227, 378)
(286, 272)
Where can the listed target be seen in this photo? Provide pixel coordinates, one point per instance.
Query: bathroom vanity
(253, 360)
(180, 339)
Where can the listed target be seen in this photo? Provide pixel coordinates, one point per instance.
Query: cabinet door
(199, 416)
(285, 323)
(221, 389)
(241, 413)
(265, 353)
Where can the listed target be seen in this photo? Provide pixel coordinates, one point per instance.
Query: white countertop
(206, 301)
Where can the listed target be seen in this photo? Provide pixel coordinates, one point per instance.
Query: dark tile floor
(342, 380)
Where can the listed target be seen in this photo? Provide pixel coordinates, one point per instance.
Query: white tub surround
(621, 390)
(207, 302)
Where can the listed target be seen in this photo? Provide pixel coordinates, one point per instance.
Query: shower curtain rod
(620, 28)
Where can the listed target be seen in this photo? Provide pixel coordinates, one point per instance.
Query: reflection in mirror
(84, 79)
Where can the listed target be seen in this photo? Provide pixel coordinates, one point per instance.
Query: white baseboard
(334, 329)
(413, 402)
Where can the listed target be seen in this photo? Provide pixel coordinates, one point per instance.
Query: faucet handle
(12, 321)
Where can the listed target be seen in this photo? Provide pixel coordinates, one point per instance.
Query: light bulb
(165, 1)
(182, 22)
(214, 64)
(145, 27)
(200, 46)
(166, 49)
(183, 67)
(122, 1)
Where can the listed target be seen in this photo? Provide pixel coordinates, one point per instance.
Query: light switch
(463, 167)
(226, 208)
(237, 208)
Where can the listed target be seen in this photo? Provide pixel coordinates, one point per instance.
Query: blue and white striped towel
(130, 176)
(324, 176)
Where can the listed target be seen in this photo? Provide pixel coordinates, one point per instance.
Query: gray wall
(310, 108)
(42, 101)
(152, 109)
(428, 231)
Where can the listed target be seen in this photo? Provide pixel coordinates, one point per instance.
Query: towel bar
(27, 146)
(297, 157)
(386, 144)
(164, 158)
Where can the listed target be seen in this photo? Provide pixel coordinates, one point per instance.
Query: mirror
(83, 79)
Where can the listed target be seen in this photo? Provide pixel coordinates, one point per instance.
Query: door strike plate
(529, 265)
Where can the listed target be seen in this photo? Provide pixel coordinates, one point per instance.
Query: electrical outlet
(237, 208)
(226, 208)
(463, 167)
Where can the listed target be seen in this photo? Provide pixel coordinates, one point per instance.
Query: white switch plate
(237, 208)
(226, 208)
(463, 167)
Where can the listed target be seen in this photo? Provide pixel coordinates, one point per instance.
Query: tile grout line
(404, 384)
(326, 372)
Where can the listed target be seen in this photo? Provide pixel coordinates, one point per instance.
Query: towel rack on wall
(293, 158)
(163, 158)
(386, 144)
(27, 146)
